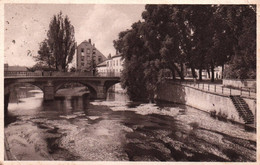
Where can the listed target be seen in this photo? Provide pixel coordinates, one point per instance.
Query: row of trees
(58, 49)
(196, 36)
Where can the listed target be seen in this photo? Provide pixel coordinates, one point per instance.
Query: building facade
(88, 56)
(113, 65)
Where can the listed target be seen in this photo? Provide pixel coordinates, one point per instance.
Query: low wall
(202, 100)
(239, 83)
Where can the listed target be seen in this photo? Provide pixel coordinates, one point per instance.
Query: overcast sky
(26, 25)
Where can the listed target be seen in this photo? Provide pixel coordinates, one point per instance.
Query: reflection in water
(20, 91)
(72, 128)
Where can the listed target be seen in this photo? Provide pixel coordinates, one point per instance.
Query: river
(116, 129)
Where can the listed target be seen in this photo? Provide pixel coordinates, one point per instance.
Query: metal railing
(220, 89)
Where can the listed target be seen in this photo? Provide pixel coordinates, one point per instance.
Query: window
(82, 63)
(88, 58)
(88, 51)
(99, 59)
(82, 50)
(116, 62)
(82, 58)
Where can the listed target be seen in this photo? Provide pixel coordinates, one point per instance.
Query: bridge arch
(109, 84)
(97, 86)
(10, 85)
(92, 89)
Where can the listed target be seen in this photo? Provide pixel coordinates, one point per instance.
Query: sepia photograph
(130, 82)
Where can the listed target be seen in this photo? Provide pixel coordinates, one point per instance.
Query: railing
(59, 74)
(21, 74)
(220, 89)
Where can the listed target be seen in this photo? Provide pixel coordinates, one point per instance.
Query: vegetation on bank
(196, 36)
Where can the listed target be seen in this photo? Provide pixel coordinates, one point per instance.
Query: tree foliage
(196, 36)
(58, 49)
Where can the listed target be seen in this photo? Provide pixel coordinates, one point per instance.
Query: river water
(74, 128)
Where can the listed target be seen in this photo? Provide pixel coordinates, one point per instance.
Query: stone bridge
(97, 86)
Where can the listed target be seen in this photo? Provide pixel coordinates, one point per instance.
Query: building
(88, 56)
(15, 68)
(102, 67)
(206, 74)
(113, 65)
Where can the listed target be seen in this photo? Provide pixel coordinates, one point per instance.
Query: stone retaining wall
(202, 100)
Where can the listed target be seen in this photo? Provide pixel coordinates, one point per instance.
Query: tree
(131, 45)
(198, 36)
(73, 69)
(58, 49)
(40, 66)
(162, 38)
(242, 22)
(45, 57)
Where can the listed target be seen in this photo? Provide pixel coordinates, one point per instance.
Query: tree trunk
(200, 74)
(178, 71)
(208, 72)
(56, 65)
(173, 73)
(222, 76)
(193, 72)
(182, 70)
(212, 72)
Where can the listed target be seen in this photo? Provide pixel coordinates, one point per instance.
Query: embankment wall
(202, 100)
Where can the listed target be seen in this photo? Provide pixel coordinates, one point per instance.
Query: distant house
(5, 67)
(88, 56)
(205, 74)
(15, 68)
(102, 67)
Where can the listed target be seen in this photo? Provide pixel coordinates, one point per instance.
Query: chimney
(89, 40)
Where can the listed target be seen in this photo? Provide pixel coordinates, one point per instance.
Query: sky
(26, 26)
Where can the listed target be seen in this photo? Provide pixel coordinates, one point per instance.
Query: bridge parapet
(59, 74)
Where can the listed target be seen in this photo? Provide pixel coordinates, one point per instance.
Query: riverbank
(210, 102)
(75, 91)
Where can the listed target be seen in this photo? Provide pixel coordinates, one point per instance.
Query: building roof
(104, 63)
(85, 43)
(117, 55)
